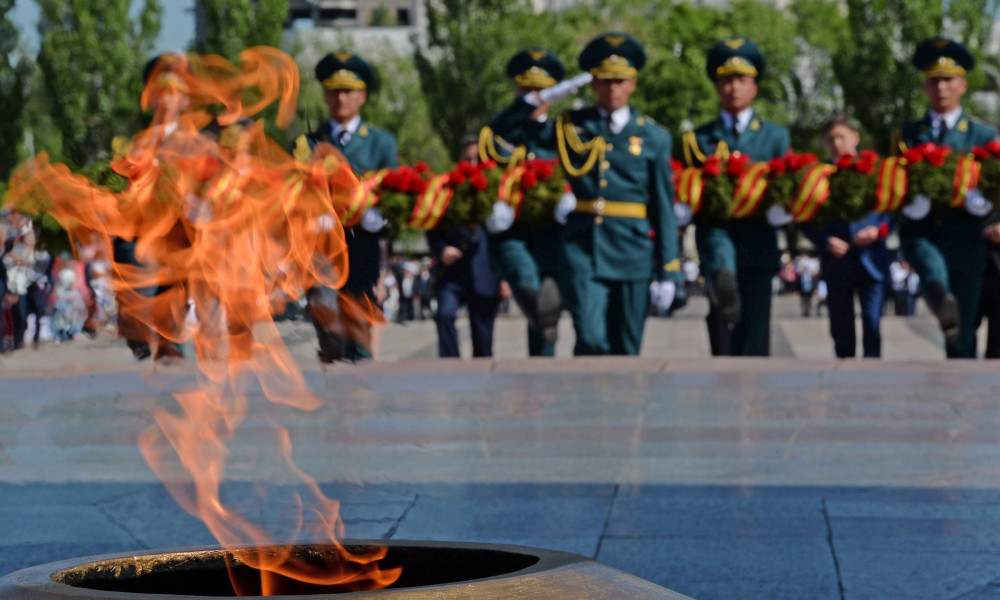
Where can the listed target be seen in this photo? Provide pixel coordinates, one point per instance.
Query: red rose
(914, 155)
(868, 155)
(676, 166)
(736, 164)
(844, 162)
(466, 169)
(937, 155)
(981, 152)
(528, 180)
(545, 170)
(777, 167)
(865, 166)
(994, 147)
(712, 167)
(479, 182)
(488, 164)
(456, 177)
(797, 161)
(417, 185)
(883, 230)
(421, 167)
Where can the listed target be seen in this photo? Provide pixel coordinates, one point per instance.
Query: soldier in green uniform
(946, 249)
(740, 257)
(527, 260)
(346, 79)
(621, 232)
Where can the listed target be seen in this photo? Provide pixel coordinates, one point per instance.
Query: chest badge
(962, 126)
(635, 145)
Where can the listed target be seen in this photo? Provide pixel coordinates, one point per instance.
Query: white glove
(918, 208)
(325, 223)
(501, 218)
(564, 89)
(566, 205)
(373, 221)
(778, 216)
(976, 204)
(665, 292)
(683, 214)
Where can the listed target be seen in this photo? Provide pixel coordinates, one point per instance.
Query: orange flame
(233, 225)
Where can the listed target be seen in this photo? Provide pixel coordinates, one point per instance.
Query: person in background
(739, 257)
(464, 277)
(855, 259)
(947, 248)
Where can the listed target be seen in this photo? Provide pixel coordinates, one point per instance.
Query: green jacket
(966, 134)
(632, 166)
(756, 242)
(369, 149)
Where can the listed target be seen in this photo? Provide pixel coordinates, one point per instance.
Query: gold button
(598, 220)
(736, 153)
(599, 206)
(531, 156)
(611, 147)
(604, 183)
(605, 164)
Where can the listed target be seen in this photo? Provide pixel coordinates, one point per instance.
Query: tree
(231, 26)
(468, 45)
(91, 58)
(13, 82)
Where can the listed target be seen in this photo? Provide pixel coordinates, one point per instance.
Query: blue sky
(175, 34)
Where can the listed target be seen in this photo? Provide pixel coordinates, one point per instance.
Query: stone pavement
(797, 476)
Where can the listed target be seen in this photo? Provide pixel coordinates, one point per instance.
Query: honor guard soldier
(620, 227)
(527, 260)
(346, 80)
(946, 249)
(739, 257)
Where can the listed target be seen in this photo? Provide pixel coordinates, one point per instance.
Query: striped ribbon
(749, 190)
(510, 188)
(966, 178)
(362, 198)
(432, 204)
(891, 185)
(813, 191)
(690, 184)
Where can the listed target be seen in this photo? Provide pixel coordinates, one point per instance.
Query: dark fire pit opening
(204, 573)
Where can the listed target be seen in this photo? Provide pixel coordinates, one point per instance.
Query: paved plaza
(793, 477)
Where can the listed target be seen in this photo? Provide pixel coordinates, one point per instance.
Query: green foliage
(232, 26)
(91, 58)
(13, 83)
(469, 42)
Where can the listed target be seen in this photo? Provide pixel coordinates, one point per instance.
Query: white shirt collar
(742, 119)
(351, 126)
(950, 118)
(618, 120)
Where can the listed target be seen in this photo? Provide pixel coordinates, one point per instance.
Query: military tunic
(948, 247)
(747, 247)
(623, 232)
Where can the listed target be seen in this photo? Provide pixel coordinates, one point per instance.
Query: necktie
(343, 136)
(942, 130)
(736, 130)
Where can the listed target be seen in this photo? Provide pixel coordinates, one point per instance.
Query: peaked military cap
(535, 67)
(613, 56)
(941, 57)
(344, 71)
(735, 56)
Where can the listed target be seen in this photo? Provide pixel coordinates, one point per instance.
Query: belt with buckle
(610, 208)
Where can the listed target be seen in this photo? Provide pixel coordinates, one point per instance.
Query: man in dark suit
(946, 248)
(621, 232)
(346, 80)
(739, 257)
(855, 259)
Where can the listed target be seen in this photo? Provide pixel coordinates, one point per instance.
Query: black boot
(527, 301)
(723, 293)
(945, 308)
(549, 307)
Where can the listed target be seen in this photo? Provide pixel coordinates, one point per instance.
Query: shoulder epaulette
(302, 151)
